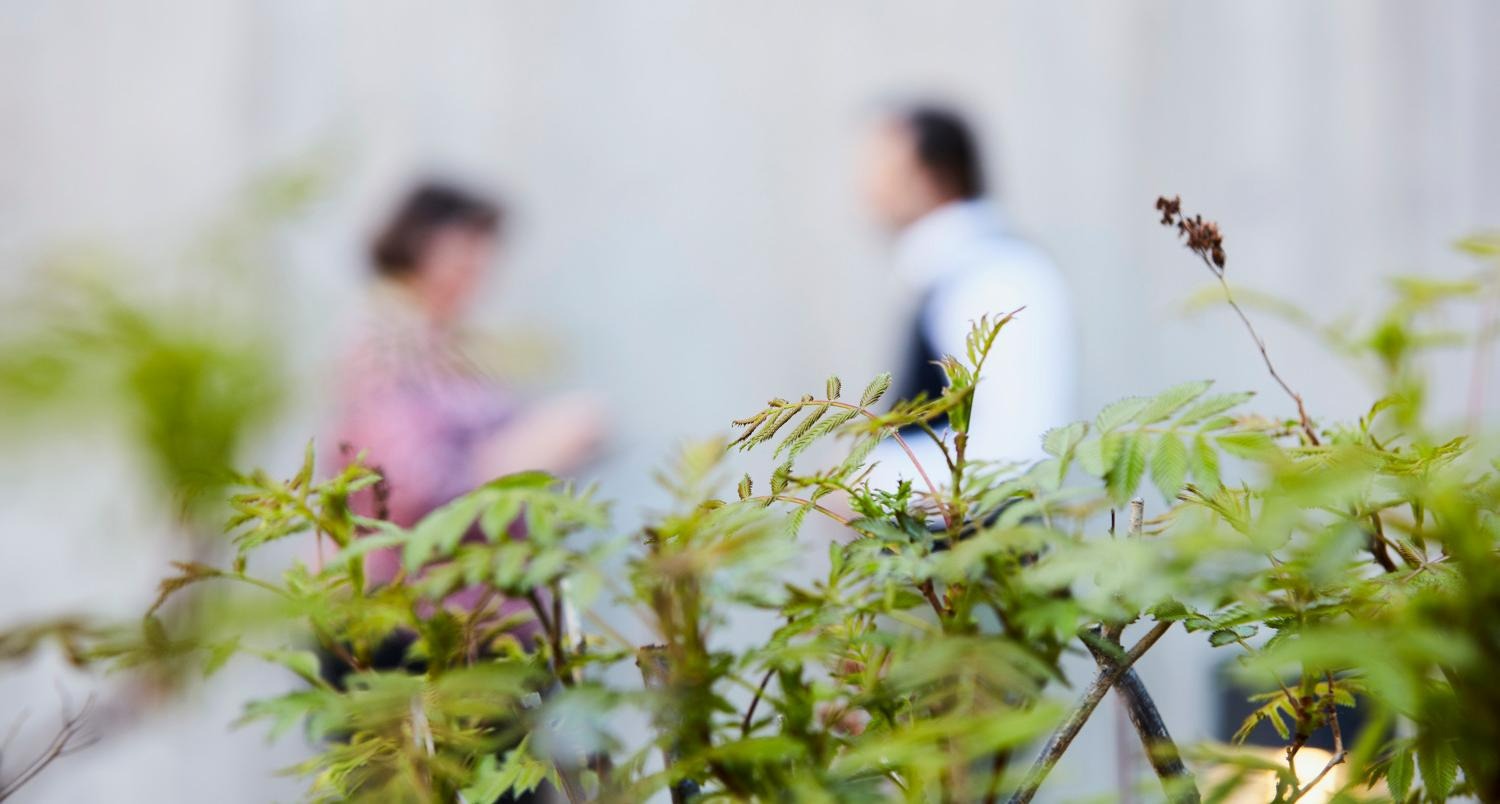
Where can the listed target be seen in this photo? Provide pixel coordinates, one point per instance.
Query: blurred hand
(558, 435)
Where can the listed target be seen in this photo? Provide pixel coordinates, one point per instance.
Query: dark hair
(429, 207)
(946, 148)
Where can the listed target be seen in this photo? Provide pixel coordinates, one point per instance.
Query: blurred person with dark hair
(924, 181)
(429, 419)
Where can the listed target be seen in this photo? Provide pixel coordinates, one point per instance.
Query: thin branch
(1265, 356)
(1337, 759)
(1379, 543)
(754, 702)
(912, 456)
(787, 498)
(997, 774)
(1291, 698)
(63, 743)
(338, 649)
(568, 773)
(932, 599)
(471, 631)
(1330, 709)
(608, 630)
(539, 610)
(1161, 750)
(1204, 240)
(572, 785)
(559, 624)
(656, 673)
(552, 629)
(1112, 631)
(15, 729)
(1063, 737)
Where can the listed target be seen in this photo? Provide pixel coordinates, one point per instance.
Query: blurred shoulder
(1005, 272)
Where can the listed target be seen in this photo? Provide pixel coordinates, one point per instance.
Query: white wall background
(689, 234)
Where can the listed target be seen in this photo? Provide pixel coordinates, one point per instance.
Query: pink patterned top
(419, 410)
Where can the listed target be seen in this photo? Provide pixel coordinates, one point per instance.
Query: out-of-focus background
(688, 240)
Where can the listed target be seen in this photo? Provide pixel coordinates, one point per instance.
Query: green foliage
(469, 688)
(1342, 564)
(188, 395)
(174, 355)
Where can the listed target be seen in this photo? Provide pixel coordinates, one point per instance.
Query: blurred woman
(428, 418)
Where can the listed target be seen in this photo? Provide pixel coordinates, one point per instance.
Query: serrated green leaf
(780, 476)
(1125, 475)
(1110, 447)
(1059, 441)
(1119, 412)
(1271, 710)
(545, 566)
(442, 529)
(1212, 406)
(509, 564)
(285, 711)
(777, 748)
(745, 487)
(218, 655)
(1222, 637)
(1279, 724)
(496, 520)
(856, 458)
(304, 663)
(1170, 401)
(304, 475)
(1203, 462)
(875, 390)
(1439, 767)
(519, 773)
(834, 387)
(189, 573)
(1090, 455)
(825, 426)
(530, 479)
(1169, 611)
(1250, 444)
(1196, 622)
(794, 520)
(771, 426)
(1399, 774)
(796, 434)
(1169, 466)
(1216, 423)
(389, 536)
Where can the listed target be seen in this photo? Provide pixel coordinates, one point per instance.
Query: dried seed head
(1170, 208)
(1203, 237)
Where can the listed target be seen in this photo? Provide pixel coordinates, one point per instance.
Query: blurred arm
(557, 435)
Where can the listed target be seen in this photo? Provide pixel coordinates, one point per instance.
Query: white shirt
(964, 255)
